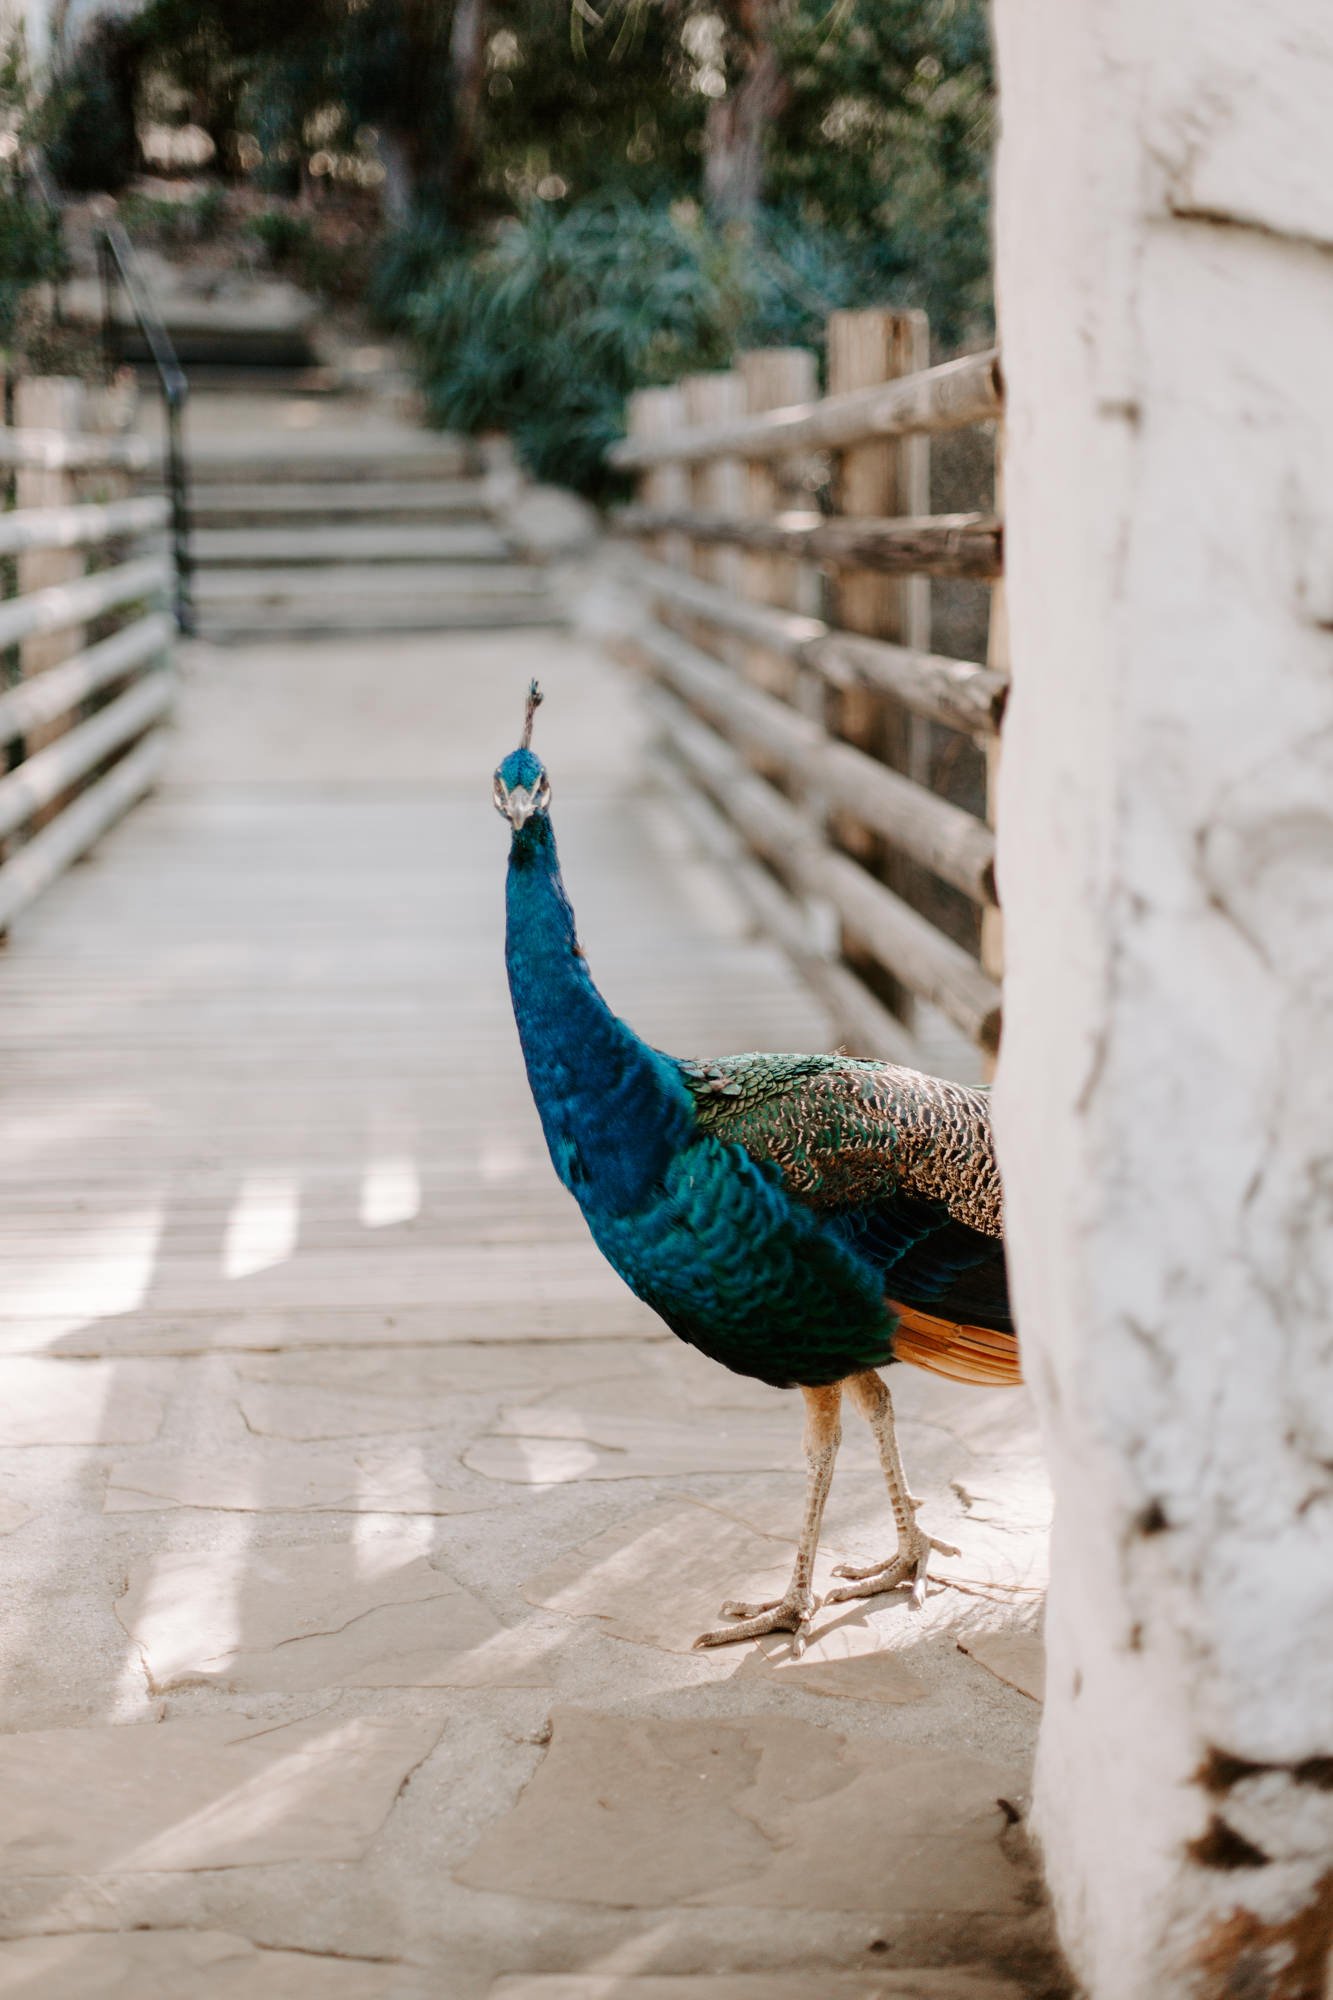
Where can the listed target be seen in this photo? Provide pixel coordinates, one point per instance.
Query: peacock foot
(791, 1613)
(911, 1565)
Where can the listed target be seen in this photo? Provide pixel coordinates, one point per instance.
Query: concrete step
(350, 542)
(320, 499)
(345, 583)
(461, 611)
(368, 454)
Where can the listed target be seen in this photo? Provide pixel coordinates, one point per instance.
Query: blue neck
(613, 1110)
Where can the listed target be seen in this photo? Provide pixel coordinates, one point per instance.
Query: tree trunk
(393, 156)
(737, 125)
(467, 75)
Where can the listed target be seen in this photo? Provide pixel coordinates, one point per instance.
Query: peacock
(803, 1219)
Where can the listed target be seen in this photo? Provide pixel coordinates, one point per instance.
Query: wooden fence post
(777, 378)
(718, 485)
(886, 479)
(997, 656)
(657, 413)
(48, 403)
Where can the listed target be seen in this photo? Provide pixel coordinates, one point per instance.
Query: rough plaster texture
(1165, 266)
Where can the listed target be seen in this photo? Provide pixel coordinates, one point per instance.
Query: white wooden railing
(85, 640)
(783, 552)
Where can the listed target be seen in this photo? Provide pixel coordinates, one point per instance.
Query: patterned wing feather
(901, 1167)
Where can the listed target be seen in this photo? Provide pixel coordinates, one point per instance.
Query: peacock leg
(911, 1560)
(792, 1611)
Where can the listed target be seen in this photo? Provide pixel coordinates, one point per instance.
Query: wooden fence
(840, 769)
(85, 640)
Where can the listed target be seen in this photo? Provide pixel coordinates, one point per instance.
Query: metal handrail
(118, 265)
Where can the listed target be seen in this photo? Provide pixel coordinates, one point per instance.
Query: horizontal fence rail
(953, 692)
(79, 527)
(954, 545)
(50, 696)
(54, 451)
(803, 719)
(945, 398)
(85, 653)
(61, 605)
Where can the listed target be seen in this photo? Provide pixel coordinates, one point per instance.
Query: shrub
(30, 252)
(546, 329)
(282, 235)
(92, 145)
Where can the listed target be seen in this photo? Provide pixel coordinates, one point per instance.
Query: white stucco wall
(1165, 1092)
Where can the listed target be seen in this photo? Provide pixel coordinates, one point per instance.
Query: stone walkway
(356, 1522)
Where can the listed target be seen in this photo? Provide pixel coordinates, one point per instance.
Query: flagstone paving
(354, 1522)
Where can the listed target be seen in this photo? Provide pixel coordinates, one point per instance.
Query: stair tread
(341, 496)
(353, 541)
(350, 580)
(283, 455)
(439, 615)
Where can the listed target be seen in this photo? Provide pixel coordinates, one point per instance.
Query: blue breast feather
(708, 1236)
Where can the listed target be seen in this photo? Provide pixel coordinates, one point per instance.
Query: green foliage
(886, 139)
(30, 247)
(603, 281)
(546, 330)
(30, 252)
(174, 225)
(324, 253)
(90, 139)
(591, 108)
(282, 233)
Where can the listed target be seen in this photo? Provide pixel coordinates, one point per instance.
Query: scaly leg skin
(793, 1611)
(910, 1562)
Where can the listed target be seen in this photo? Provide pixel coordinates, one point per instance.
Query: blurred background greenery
(553, 203)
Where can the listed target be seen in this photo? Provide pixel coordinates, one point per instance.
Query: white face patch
(519, 805)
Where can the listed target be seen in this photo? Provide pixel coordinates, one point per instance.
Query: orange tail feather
(962, 1353)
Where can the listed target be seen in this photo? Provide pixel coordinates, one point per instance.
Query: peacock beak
(520, 805)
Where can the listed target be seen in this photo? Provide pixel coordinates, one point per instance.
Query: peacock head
(522, 788)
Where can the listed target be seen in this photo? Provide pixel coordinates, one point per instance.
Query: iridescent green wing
(848, 1134)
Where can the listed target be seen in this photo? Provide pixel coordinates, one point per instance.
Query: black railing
(119, 269)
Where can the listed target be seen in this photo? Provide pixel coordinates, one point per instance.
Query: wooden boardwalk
(354, 1520)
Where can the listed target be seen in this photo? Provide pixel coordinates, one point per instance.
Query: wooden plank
(762, 724)
(865, 1027)
(46, 857)
(777, 378)
(966, 391)
(658, 414)
(55, 401)
(959, 693)
(932, 965)
(23, 709)
(73, 527)
(967, 545)
(43, 777)
(70, 604)
(942, 837)
(56, 452)
(952, 843)
(717, 486)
